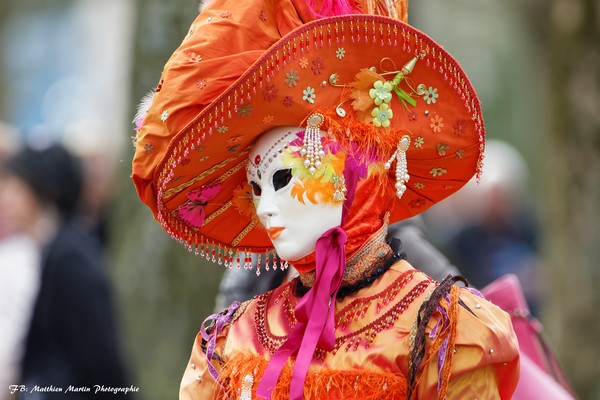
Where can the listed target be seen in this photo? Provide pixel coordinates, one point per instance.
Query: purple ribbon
(221, 320)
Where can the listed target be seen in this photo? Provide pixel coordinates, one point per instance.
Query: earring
(312, 150)
(401, 165)
(339, 184)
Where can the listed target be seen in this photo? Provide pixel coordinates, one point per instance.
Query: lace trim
(366, 260)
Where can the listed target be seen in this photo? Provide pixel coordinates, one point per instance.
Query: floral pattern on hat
(431, 95)
(437, 123)
(317, 66)
(309, 95)
(270, 92)
(292, 78)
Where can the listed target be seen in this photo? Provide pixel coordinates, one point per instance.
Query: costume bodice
(373, 330)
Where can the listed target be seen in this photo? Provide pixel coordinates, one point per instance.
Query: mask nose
(267, 206)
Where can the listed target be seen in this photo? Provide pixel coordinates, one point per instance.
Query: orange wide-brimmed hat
(248, 66)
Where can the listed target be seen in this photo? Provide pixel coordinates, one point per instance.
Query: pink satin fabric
(315, 317)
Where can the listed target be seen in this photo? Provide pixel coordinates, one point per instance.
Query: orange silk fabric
(485, 365)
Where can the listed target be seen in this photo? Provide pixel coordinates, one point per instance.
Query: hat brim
(446, 129)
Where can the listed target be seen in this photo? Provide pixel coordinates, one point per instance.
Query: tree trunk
(570, 184)
(165, 291)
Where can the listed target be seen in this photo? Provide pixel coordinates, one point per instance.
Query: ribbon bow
(220, 321)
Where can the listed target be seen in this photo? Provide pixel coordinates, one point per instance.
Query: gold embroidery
(243, 234)
(168, 193)
(217, 213)
(240, 310)
(352, 312)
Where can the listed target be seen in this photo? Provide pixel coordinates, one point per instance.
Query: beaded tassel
(312, 150)
(246, 392)
(401, 165)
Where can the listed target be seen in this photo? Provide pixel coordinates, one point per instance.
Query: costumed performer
(275, 125)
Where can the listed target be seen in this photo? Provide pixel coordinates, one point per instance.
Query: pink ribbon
(316, 311)
(319, 329)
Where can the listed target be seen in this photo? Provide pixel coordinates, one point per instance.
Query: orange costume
(373, 338)
(391, 125)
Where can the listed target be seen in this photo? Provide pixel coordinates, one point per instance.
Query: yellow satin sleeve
(486, 362)
(197, 383)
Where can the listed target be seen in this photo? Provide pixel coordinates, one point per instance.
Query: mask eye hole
(282, 178)
(256, 190)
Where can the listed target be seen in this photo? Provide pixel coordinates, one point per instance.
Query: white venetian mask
(293, 225)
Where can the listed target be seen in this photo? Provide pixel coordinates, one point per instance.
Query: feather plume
(142, 110)
(332, 8)
(318, 187)
(397, 9)
(359, 92)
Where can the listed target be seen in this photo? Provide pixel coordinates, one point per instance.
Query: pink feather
(332, 8)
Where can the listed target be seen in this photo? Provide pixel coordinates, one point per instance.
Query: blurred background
(74, 70)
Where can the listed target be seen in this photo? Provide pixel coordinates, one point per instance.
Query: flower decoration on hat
(382, 115)
(381, 92)
(372, 96)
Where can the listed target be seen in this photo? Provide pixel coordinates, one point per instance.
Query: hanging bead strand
(402, 175)
(312, 149)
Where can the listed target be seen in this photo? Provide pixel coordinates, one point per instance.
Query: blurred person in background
(19, 268)
(502, 237)
(72, 340)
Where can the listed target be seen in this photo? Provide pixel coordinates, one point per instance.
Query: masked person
(308, 128)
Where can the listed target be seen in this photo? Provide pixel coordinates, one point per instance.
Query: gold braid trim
(243, 233)
(217, 213)
(174, 190)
